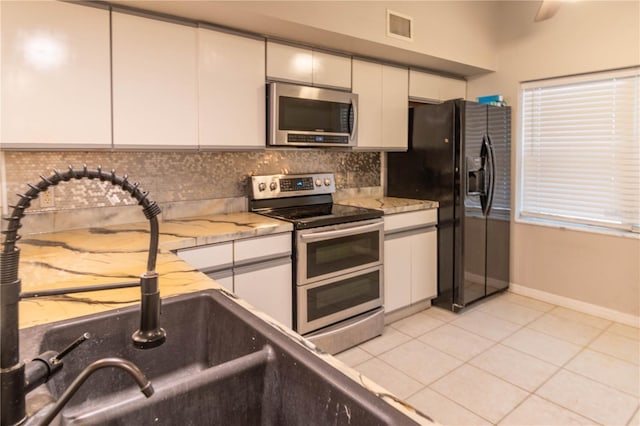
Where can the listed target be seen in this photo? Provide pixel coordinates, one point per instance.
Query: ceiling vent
(399, 25)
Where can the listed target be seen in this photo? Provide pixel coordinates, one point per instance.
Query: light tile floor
(510, 360)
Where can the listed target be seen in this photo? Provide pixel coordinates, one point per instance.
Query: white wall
(587, 36)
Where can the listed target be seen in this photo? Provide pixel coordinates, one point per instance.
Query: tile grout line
(562, 368)
(558, 368)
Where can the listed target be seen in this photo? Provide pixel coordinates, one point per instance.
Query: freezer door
(474, 179)
(499, 215)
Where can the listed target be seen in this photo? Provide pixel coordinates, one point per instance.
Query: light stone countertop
(114, 254)
(390, 205)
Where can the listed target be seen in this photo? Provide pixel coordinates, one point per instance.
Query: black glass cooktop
(313, 216)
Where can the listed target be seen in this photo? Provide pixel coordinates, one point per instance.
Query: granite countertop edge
(390, 205)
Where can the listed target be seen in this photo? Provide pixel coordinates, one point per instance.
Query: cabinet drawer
(209, 258)
(403, 221)
(260, 248)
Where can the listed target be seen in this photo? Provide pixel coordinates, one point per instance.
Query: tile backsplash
(177, 176)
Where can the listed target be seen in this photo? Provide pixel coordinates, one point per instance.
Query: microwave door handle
(322, 235)
(353, 124)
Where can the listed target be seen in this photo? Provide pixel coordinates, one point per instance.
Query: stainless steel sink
(220, 365)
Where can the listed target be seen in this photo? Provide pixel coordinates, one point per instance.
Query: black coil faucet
(149, 335)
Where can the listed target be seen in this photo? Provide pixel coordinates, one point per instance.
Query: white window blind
(580, 151)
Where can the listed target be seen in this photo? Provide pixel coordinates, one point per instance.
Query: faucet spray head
(150, 334)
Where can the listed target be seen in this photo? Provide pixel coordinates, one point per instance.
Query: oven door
(330, 251)
(329, 301)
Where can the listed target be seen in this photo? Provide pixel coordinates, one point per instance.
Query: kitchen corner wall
(177, 176)
(601, 270)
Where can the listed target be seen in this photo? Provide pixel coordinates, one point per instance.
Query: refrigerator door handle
(486, 184)
(492, 174)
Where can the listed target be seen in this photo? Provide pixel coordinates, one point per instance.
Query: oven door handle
(323, 235)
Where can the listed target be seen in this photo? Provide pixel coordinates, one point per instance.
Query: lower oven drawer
(329, 301)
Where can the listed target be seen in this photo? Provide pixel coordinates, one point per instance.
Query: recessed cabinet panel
(154, 83)
(55, 76)
(231, 91)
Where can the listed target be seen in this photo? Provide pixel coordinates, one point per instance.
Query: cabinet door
(267, 286)
(154, 83)
(367, 83)
(397, 273)
(383, 106)
(209, 257)
(331, 70)
(55, 76)
(430, 87)
(395, 108)
(289, 63)
(424, 86)
(424, 265)
(231, 101)
(451, 88)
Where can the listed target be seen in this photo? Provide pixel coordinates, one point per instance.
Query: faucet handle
(58, 358)
(48, 363)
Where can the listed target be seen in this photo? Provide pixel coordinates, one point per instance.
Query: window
(580, 150)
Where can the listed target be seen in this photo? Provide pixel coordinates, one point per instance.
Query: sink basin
(220, 365)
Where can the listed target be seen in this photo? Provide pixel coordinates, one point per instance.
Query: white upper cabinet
(395, 108)
(450, 88)
(55, 76)
(231, 101)
(383, 96)
(306, 66)
(155, 103)
(331, 70)
(289, 63)
(431, 87)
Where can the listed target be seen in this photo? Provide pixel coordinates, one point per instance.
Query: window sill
(578, 227)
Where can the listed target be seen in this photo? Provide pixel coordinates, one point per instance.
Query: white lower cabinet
(267, 286)
(410, 259)
(256, 269)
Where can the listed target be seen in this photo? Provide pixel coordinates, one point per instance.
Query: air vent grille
(399, 25)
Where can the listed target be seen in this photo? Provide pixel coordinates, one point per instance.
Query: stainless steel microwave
(310, 116)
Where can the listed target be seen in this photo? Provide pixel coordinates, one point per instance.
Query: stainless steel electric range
(338, 258)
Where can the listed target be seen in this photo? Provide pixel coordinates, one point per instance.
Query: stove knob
(318, 182)
(327, 182)
(262, 186)
(273, 186)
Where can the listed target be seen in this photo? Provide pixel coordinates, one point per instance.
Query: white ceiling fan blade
(547, 9)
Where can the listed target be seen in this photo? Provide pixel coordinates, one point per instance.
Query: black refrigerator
(460, 155)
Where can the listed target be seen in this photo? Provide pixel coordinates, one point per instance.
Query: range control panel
(278, 186)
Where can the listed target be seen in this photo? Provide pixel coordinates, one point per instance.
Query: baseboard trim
(577, 305)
